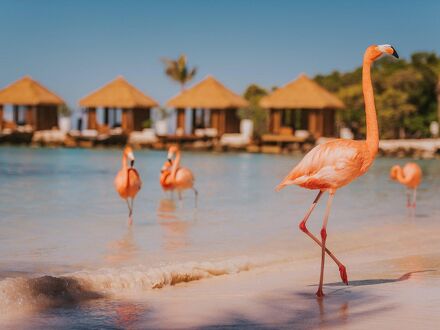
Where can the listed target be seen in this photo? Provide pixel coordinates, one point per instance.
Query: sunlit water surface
(60, 216)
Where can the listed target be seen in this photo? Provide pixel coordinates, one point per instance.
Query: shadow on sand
(404, 277)
(303, 310)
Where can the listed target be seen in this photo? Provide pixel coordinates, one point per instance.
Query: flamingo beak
(132, 163)
(394, 52)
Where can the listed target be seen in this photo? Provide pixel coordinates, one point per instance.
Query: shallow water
(60, 216)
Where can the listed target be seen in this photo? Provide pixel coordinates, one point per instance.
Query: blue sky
(73, 47)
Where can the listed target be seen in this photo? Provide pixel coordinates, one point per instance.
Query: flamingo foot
(343, 273)
(130, 220)
(320, 293)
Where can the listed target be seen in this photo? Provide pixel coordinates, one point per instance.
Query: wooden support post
(275, 120)
(194, 120)
(15, 114)
(181, 119)
(316, 123)
(124, 120)
(1, 116)
(329, 123)
(30, 117)
(106, 116)
(203, 118)
(312, 125)
(91, 118)
(214, 119)
(320, 123)
(222, 122)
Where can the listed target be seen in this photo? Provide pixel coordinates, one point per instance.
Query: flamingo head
(393, 172)
(128, 152)
(375, 51)
(171, 151)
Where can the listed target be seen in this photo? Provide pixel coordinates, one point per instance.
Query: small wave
(145, 278)
(48, 291)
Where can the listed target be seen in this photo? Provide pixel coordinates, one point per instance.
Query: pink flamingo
(411, 177)
(127, 181)
(173, 177)
(165, 178)
(331, 165)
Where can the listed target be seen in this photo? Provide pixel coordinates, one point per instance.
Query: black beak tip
(395, 53)
(170, 160)
(131, 163)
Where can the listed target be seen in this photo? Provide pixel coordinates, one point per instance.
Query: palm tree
(178, 70)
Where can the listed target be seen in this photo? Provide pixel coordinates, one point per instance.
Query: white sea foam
(47, 291)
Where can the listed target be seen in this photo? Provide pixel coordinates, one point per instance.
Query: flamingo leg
(302, 226)
(130, 211)
(414, 198)
(408, 198)
(319, 293)
(196, 195)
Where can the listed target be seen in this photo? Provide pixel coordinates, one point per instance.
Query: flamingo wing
(133, 179)
(329, 165)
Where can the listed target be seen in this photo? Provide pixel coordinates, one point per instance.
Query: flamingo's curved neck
(370, 109)
(124, 161)
(175, 165)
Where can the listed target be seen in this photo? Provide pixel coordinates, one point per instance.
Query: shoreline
(404, 148)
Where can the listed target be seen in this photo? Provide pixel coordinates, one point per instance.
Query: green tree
(257, 114)
(407, 95)
(179, 71)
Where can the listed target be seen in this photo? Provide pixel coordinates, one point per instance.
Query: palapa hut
(209, 95)
(302, 105)
(130, 107)
(33, 105)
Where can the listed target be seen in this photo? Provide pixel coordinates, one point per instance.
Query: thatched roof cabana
(316, 104)
(41, 105)
(210, 94)
(119, 94)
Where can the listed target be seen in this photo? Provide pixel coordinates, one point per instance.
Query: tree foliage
(178, 70)
(257, 114)
(405, 95)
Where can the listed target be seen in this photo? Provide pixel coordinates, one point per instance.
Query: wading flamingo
(173, 177)
(165, 179)
(411, 177)
(128, 181)
(331, 165)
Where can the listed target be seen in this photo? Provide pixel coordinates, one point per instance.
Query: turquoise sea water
(60, 214)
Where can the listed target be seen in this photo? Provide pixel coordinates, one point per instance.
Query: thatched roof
(27, 91)
(302, 93)
(118, 93)
(208, 94)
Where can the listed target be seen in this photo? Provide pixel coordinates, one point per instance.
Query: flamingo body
(128, 181)
(330, 165)
(175, 177)
(411, 177)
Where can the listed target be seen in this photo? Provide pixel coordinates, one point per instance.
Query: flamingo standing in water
(411, 177)
(173, 177)
(127, 181)
(331, 165)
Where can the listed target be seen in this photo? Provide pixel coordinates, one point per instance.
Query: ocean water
(68, 258)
